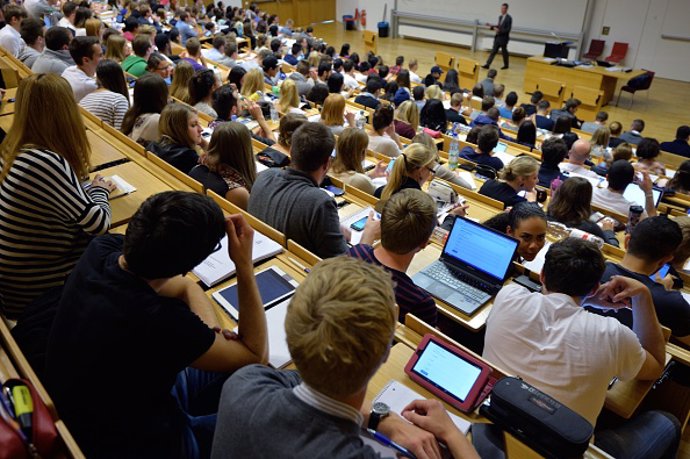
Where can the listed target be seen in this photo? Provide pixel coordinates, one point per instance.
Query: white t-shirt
(349, 81)
(577, 169)
(384, 144)
(11, 40)
(414, 78)
(560, 348)
(604, 197)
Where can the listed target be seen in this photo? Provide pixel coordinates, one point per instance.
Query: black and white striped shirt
(107, 105)
(46, 217)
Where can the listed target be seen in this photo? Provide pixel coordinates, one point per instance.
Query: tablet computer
(448, 372)
(274, 286)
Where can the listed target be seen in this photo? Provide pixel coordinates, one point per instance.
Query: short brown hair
(141, 44)
(312, 145)
(407, 221)
(288, 125)
(340, 324)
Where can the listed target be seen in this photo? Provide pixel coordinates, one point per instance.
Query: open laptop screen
(474, 245)
(634, 193)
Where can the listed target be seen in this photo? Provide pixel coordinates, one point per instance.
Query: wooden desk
(147, 184)
(8, 107)
(102, 152)
(594, 78)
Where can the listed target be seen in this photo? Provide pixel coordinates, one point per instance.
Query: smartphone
(335, 190)
(359, 224)
(661, 272)
(389, 169)
(11, 100)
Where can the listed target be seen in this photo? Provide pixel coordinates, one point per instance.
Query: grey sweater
(291, 202)
(260, 417)
(52, 62)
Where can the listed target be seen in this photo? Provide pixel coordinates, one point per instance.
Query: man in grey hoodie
(55, 57)
(302, 78)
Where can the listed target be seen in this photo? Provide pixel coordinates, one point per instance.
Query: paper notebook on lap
(218, 266)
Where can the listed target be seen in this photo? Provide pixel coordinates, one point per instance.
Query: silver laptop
(474, 264)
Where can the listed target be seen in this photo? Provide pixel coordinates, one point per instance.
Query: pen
(299, 265)
(385, 441)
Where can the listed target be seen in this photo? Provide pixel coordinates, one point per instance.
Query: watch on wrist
(378, 411)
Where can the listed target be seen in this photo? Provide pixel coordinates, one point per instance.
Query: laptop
(474, 264)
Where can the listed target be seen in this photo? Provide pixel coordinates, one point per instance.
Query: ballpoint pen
(385, 441)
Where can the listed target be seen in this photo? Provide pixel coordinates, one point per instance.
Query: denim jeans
(649, 435)
(198, 393)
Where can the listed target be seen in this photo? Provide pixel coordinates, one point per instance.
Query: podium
(556, 49)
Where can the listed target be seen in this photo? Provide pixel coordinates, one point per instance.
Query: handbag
(272, 158)
(538, 420)
(27, 429)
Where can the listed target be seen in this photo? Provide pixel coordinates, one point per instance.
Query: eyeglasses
(433, 169)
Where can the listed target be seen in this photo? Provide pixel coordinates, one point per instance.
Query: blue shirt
(186, 31)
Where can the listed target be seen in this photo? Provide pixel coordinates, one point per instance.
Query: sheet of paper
(537, 264)
(123, 187)
(506, 158)
(397, 396)
(467, 177)
(278, 352)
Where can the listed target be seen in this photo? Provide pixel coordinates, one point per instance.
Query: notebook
(218, 266)
(123, 187)
(278, 352)
(474, 264)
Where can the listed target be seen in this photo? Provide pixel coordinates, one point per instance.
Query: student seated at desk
(442, 171)
(571, 205)
(141, 120)
(201, 88)
(650, 246)
(179, 89)
(600, 144)
(339, 327)
(334, 115)
(541, 118)
(291, 201)
(527, 134)
(127, 311)
(406, 119)
(229, 167)
(487, 139)
(526, 222)
(680, 145)
(553, 152)
(180, 137)
(556, 345)
(647, 152)
(519, 175)
(351, 151)
(433, 117)
(50, 208)
(384, 139)
(110, 101)
(135, 64)
(160, 65)
(680, 183)
(288, 102)
(620, 175)
(368, 97)
(412, 169)
(577, 157)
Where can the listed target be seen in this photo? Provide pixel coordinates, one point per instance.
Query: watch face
(380, 408)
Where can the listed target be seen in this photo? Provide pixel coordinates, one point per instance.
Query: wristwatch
(378, 411)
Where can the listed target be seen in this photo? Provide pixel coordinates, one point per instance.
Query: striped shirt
(46, 217)
(107, 105)
(410, 297)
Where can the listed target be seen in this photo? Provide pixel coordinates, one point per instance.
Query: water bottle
(453, 154)
(361, 120)
(274, 114)
(233, 117)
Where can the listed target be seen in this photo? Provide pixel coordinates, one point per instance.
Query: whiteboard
(677, 19)
(565, 16)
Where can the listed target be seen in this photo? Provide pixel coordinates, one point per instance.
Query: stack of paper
(123, 187)
(278, 352)
(218, 266)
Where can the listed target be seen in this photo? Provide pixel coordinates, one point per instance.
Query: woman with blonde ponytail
(414, 167)
(518, 175)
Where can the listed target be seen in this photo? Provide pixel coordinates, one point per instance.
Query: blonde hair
(47, 117)
(289, 98)
(253, 81)
(414, 157)
(93, 28)
(115, 48)
(333, 110)
(179, 88)
(601, 137)
(433, 92)
(174, 124)
(340, 324)
(231, 144)
(522, 166)
(407, 221)
(409, 113)
(682, 253)
(350, 151)
(313, 59)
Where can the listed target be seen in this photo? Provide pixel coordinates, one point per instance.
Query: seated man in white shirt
(10, 38)
(69, 12)
(553, 343)
(620, 175)
(414, 78)
(349, 78)
(218, 51)
(578, 154)
(86, 52)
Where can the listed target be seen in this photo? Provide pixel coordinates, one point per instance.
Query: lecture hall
(451, 229)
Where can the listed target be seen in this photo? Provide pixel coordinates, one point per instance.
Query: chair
(596, 48)
(639, 83)
(444, 60)
(370, 41)
(618, 52)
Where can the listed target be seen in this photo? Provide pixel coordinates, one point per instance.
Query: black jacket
(180, 156)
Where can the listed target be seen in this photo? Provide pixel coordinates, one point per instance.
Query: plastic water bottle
(453, 154)
(361, 120)
(274, 114)
(233, 117)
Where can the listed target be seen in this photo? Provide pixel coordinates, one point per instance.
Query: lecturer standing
(502, 28)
